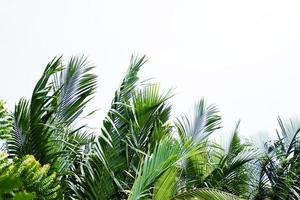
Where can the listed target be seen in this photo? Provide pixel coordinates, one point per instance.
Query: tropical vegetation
(141, 152)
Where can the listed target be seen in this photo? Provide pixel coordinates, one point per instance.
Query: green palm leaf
(77, 85)
(19, 133)
(200, 124)
(166, 154)
(107, 164)
(205, 194)
(167, 184)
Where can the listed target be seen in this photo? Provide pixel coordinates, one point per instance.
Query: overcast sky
(243, 56)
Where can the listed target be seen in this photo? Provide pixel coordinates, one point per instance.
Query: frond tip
(200, 124)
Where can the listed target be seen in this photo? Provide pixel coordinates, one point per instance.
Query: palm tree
(46, 125)
(137, 120)
(276, 175)
(136, 153)
(139, 153)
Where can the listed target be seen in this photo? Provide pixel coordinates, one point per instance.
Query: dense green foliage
(139, 153)
(26, 177)
(5, 124)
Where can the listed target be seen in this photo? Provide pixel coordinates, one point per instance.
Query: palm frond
(150, 112)
(41, 111)
(224, 169)
(279, 167)
(205, 194)
(107, 163)
(167, 184)
(200, 124)
(77, 85)
(289, 134)
(165, 155)
(20, 131)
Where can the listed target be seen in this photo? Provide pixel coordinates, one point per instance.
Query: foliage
(5, 125)
(276, 175)
(139, 152)
(25, 178)
(46, 126)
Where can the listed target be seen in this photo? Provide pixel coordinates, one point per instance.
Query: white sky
(241, 55)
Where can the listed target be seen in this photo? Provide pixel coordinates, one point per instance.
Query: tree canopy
(140, 152)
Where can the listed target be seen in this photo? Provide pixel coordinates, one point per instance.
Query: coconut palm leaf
(107, 158)
(166, 154)
(159, 175)
(231, 172)
(92, 180)
(77, 85)
(30, 134)
(222, 168)
(279, 167)
(150, 115)
(138, 154)
(41, 110)
(46, 125)
(205, 194)
(200, 124)
(167, 184)
(137, 118)
(19, 133)
(59, 97)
